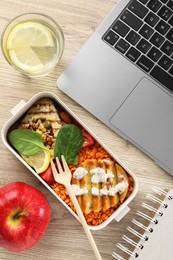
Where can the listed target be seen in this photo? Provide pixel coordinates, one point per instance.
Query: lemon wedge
(40, 161)
(29, 34)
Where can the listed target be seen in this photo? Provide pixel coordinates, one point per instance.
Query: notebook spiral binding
(156, 212)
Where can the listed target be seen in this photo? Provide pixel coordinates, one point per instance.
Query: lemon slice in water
(40, 161)
(22, 43)
(29, 34)
(26, 59)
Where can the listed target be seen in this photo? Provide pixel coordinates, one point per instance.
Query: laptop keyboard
(143, 33)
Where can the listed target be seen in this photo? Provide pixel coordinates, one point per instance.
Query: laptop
(123, 75)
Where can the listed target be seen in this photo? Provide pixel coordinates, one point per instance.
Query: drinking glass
(33, 44)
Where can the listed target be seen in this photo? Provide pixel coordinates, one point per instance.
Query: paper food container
(20, 109)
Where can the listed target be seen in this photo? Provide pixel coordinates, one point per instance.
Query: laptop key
(167, 48)
(157, 39)
(146, 31)
(169, 35)
(163, 77)
(138, 9)
(171, 71)
(122, 46)
(154, 5)
(143, 1)
(171, 21)
(111, 37)
(165, 62)
(133, 37)
(143, 45)
(164, 1)
(162, 27)
(145, 63)
(165, 13)
(154, 54)
(170, 4)
(131, 20)
(151, 19)
(120, 28)
(133, 54)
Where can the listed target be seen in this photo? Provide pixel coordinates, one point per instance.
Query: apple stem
(16, 217)
(19, 214)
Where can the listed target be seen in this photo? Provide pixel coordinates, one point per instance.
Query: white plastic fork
(64, 177)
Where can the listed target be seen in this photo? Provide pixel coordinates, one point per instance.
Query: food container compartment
(19, 111)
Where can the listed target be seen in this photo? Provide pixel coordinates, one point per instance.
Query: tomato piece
(88, 138)
(48, 176)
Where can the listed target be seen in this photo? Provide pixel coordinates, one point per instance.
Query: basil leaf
(26, 142)
(68, 143)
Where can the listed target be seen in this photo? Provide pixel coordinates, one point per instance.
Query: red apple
(24, 216)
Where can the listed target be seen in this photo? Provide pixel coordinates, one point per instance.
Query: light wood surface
(65, 238)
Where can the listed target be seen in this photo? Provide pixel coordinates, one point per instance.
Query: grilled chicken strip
(43, 117)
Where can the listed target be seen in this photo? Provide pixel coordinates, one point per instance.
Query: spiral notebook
(150, 234)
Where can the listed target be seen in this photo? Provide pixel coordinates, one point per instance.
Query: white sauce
(79, 173)
(95, 191)
(111, 191)
(103, 191)
(99, 175)
(110, 175)
(121, 187)
(79, 191)
(120, 176)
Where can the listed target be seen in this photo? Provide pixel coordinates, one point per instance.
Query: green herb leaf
(26, 142)
(68, 143)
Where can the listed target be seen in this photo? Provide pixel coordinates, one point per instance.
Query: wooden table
(65, 238)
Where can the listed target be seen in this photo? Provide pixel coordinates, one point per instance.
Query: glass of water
(33, 44)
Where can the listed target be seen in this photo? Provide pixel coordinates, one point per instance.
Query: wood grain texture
(65, 238)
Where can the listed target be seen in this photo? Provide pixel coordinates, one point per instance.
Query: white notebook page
(160, 243)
